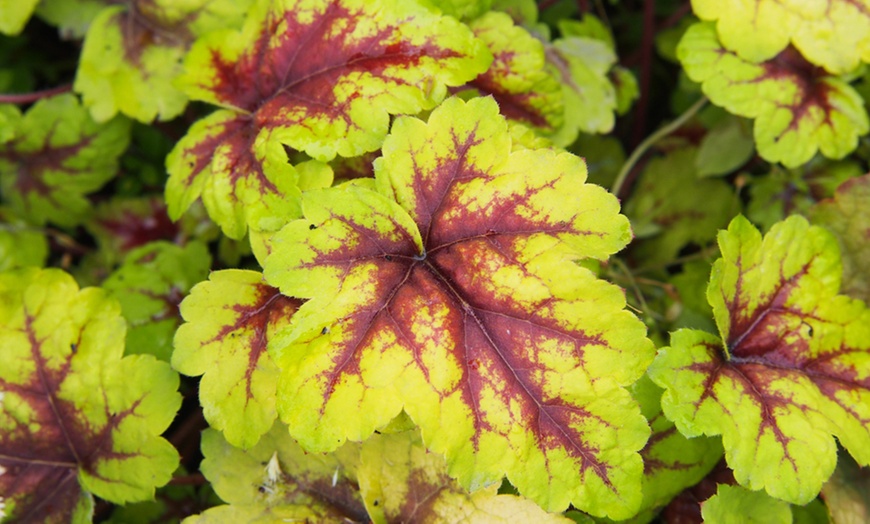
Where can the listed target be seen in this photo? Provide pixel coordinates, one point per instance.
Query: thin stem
(26, 98)
(652, 139)
(645, 76)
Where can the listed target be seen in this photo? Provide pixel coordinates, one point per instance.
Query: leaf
(736, 505)
(725, 148)
(149, 285)
(792, 370)
(847, 492)
(228, 322)
(20, 245)
(277, 480)
(72, 17)
(75, 417)
(402, 482)
(464, 9)
(847, 216)
(322, 78)
(58, 156)
(798, 109)
(431, 296)
(831, 34)
(15, 14)
(133, 54)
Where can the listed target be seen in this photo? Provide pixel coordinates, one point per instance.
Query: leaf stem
(652, 139)
(26, 98)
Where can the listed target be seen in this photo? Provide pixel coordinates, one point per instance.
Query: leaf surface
(21, 245)
(59, 155)
(76, 418)
(14, 15)
(792, 369)
(834, 34)
(798, 109)
(321, 77)
(847, 493)
(734, 504)
(452, 293)
(228, 322)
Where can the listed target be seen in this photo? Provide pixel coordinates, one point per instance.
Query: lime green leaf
(132, 55)
(276, 481)
(627, 90)
(725, 148)
(792, 369)
(847, 493)
(519, 79)
(58, 156)
(736, 505)
(149, 286)
(463, 9)
(848, 217)
(834, 34)
(21, 245)
(798, 110)
(72, 17)
(589, 26)
(813, 513)
(228, 322)
(75, 417)
(672, 207)
(431, 294)
(322, 78)
(402, 482)
(14, 15)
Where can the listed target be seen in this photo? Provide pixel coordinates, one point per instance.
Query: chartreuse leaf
(58, 156)
(463, 9)
(798, 110)
(228, 321)
(149, 286)
(277, 481)
(133, 54)
(726, 147)
(834, 34)
(847, 492)
(321, 77)
(792, 369)
(848, 217)
(402, 482)
(452, 293)
(737, 505)
(21, 245)
(75, 417)
(72, 17)
(15, 14)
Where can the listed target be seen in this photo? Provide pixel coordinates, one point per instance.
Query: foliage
(352, 261)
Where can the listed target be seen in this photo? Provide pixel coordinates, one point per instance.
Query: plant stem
(647, 43)
(26, 98)
(652, 139)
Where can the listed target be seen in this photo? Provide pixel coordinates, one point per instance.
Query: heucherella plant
(436, 261)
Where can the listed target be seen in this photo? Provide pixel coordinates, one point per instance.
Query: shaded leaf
(72, 17)
(725, 148)
(402, 482)
(149, 286)
(847, 493)
(798, 109)
(848, 217)
(322, 78)
(834, 34)
(76, 418)
(452, 293)
(58, 156)
(792, 370)
(21, 245)
(228, 323)
(736, 505)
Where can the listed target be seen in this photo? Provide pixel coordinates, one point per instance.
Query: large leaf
(75, 417)
(792, 369)
(57, 156)
(133, 53)
(798, 109)
(321, 77)
(834, 34)
(452, 293)
(229, 321)
(848, 217)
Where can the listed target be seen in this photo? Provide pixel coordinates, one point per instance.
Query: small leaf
(452, 293)
(725, 148)
(792, 369)
(72, 17)
(798, 109)
(848, 217)
(847, 493)
(21, 245)
(14, 15)
(832, 34)
(402, 482)
(149, 286)
(228, 322)
(58, 156)
(75, 417)
(736, 505)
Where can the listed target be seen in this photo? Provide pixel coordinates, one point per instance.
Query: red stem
(646, 56)
(676, 16)
(26, 98)
(195, 479)
(583, 6)
(544, 4)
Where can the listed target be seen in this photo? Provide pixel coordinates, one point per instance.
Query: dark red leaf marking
(142, 27)
(685, 508)
(791, 66)
(132, 229)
